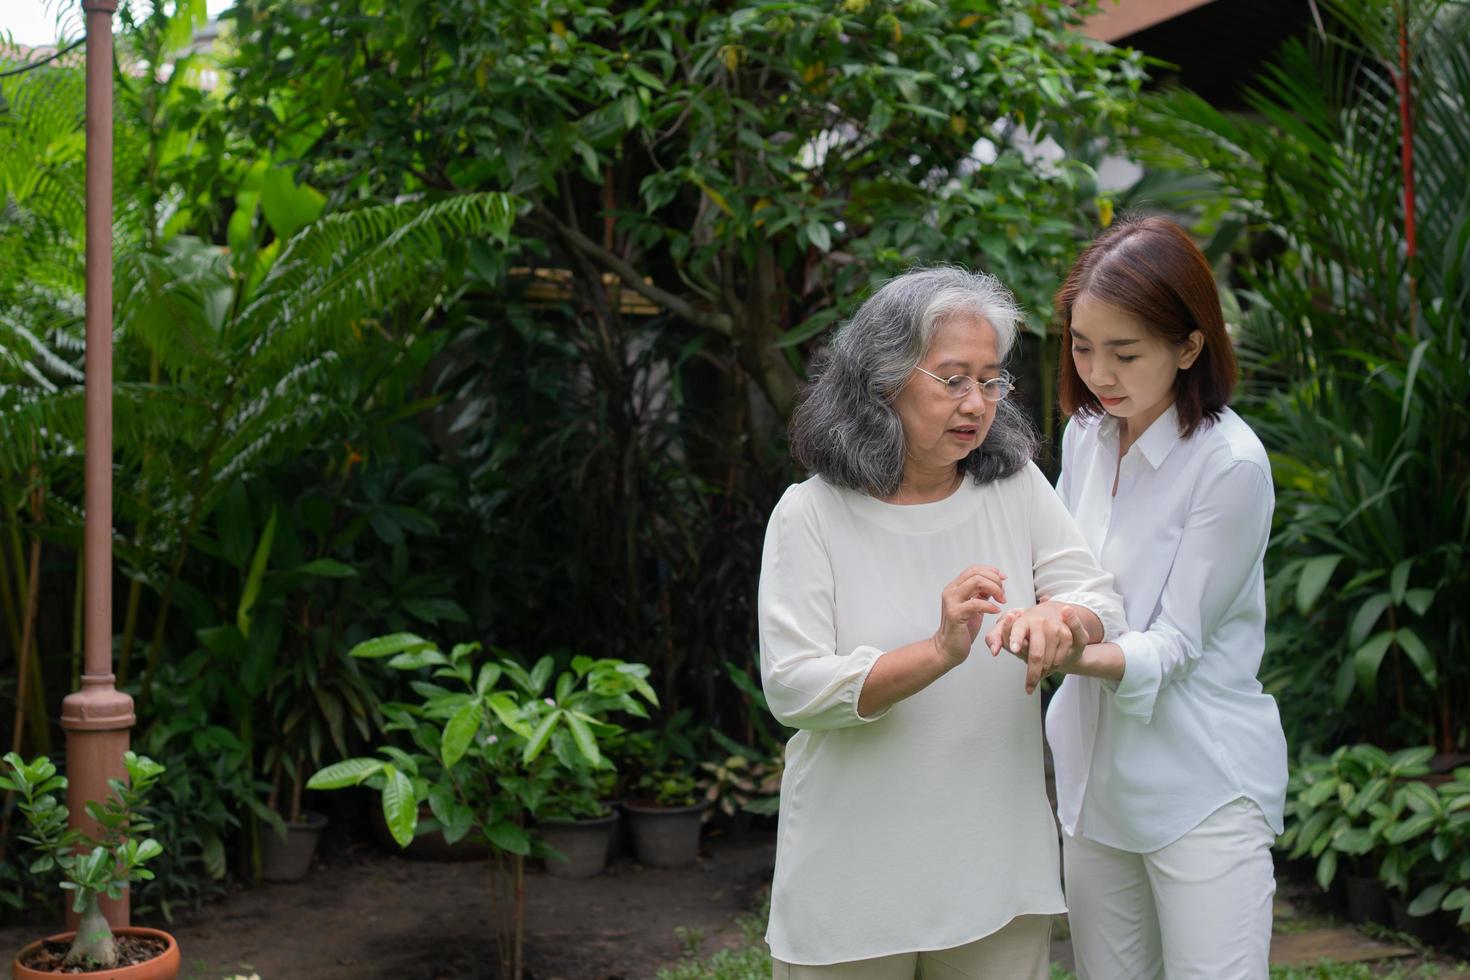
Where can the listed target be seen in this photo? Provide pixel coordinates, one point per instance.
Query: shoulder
(1230, 444)
(804, 504)
(1028, 481)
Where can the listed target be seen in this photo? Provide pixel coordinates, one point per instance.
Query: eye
(1129, 359)
(958, 385)
(1080, 350)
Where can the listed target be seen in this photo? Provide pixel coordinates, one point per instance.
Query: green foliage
(1356, 349)
(1359, 803)
(90, 865)
(492, 750)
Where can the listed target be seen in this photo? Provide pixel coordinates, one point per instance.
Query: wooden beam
(1119, 18)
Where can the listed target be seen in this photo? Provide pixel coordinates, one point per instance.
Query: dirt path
(365, 914)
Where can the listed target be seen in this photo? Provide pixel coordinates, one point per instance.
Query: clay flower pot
(162, 967)
(583, 842)
(665, 836)
(290, 859)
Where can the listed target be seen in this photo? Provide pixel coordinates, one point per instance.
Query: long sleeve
(1064, 567)
(808, 682)
(1216, 568)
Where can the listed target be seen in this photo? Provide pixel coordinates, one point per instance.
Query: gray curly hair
(846, 427)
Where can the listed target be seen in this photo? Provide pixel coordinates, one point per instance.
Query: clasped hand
(1049, 637)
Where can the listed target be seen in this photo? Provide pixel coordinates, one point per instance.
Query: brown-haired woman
(1170, 759)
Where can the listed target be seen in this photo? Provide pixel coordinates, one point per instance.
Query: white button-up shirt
(1188, 729)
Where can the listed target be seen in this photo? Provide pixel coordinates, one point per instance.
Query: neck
(922, 485)
(1135, 426)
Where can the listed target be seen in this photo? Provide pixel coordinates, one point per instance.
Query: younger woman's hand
(1050, 637)
(963, 603)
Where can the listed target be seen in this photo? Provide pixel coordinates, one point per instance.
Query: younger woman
(1170, 759)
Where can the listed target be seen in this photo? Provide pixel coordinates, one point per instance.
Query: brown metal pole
(97, 718)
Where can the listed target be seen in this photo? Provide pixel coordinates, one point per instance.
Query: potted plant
(1329, 818)
(92, 867)
(576, 821)
(481, 736)
(743, 783)
(665, 814)
(1449, 849)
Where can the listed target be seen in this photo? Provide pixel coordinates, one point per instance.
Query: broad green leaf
(256, 576)
(509, 837)
(287, 205)
(1326, 869)
(328, 568)
(1398, 580)
(582, 734)
(1414, 647)
(1316, 573)
(414, 659)
(400, 809)
(1367, 617)
(347, 773)
(1428, 901)
(383, 646)
(541, 735)
(1367, 660)
(460, 732)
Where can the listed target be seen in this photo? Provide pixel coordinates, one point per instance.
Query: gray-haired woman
(915, 833)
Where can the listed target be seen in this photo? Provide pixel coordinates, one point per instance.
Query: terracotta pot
(164, 967)
(290, 859)
(664, 836)
(584, 842)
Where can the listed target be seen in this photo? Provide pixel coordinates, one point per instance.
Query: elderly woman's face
(939, 430)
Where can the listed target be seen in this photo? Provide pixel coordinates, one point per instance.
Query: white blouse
(1188, 728)
(925, 826)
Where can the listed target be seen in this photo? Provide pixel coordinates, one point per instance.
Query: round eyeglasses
(994, 390)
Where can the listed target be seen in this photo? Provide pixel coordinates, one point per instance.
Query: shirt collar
(1157, 441)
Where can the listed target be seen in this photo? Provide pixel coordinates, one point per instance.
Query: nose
(1100, 376)
(974, 402)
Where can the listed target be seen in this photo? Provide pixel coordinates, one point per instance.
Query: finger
(975, 607)
(1002, 631)
(983, 582)
(1043, 598)
(1074, 623)
(1036, 638)
(1034, 668)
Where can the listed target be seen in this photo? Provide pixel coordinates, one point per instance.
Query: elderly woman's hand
(962, 605)
(1050, 637)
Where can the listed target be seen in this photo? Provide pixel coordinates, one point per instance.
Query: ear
(1190, 350)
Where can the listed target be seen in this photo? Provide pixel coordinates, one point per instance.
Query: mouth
(965, 433)
(1110, 402)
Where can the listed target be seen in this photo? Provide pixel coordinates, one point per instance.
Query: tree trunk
(94, 944)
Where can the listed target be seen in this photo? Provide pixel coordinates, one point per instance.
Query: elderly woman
(915, 833)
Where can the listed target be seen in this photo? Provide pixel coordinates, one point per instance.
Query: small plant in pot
(574, 819)
(665, 814)
(91, 867)
(479, 737)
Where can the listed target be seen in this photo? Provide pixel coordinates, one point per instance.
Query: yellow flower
(1104, 212)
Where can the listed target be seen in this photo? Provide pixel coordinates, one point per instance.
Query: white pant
(1019, 950)
(1198, 909)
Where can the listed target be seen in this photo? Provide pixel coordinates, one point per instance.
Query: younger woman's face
(1129, 366)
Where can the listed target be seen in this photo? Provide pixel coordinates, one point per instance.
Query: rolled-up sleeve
(1063, 567)
(1217, 566)
(808, 683)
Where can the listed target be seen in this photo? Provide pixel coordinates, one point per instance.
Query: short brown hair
(1151, 269)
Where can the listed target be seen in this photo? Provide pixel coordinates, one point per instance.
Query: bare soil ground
(363, 914)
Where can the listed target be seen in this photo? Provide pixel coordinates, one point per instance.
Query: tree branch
(718, 322)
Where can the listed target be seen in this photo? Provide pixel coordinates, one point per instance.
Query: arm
(1217, 564)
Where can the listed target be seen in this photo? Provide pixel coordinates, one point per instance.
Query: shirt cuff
(856, 691)
(1142, 677)
(1106, 612)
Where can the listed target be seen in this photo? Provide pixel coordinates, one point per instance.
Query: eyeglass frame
(1006, 379)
